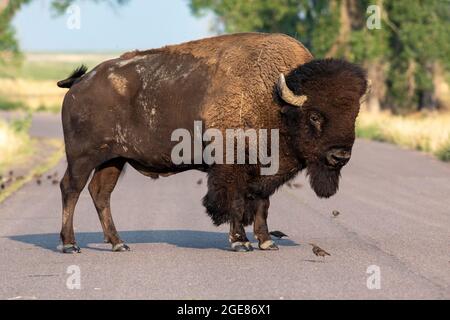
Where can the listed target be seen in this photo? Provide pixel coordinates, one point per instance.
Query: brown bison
(125, 110)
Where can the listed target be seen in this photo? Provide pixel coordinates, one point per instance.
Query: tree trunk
(441, 87)
(376, 74)
(344, 29)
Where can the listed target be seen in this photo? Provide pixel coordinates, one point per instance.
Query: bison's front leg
(238, 239)
(260, 228)
(226, 202)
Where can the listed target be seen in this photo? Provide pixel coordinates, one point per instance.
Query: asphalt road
(395, 215)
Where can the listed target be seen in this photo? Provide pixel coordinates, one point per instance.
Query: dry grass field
(32, 85)
(428, 132)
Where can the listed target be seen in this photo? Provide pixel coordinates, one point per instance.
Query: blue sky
(140, 24)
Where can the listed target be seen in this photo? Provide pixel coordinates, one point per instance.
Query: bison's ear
(366, 94)
(287, 95)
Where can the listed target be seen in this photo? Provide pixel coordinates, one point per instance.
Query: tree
(403, 58)
(8, 44)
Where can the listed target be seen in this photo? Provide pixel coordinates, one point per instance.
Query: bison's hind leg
(72, 184)
(101, 186)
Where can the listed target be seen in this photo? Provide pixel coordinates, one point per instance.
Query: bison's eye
(316, 121)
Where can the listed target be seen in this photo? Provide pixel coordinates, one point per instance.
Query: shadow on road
(180, 238)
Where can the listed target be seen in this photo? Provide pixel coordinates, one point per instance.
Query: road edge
(49, 163)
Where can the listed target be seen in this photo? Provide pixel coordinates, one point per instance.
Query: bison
(125, 109)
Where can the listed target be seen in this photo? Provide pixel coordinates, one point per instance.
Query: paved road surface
(395, 214)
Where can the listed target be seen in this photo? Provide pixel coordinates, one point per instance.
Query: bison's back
(245, 69)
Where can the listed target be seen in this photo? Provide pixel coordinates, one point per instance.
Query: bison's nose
(338, 157)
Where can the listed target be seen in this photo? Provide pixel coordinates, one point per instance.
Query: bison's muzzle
(338, 157)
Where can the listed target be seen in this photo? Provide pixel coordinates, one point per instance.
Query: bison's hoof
(241, 246)
(120, 247)
(71, 248)
(268, 245)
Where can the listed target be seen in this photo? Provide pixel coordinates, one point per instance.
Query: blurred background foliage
(408, 58)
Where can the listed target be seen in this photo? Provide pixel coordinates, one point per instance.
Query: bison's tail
(73, 78)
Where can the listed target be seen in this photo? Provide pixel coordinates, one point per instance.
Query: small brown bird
(318, 251)
(2, 186)
(49, 177)
(200, 181)
(54, 181)
(278, 234)
(38, 181)
(335, 213)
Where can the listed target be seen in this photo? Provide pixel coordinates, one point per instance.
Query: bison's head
(321, 101)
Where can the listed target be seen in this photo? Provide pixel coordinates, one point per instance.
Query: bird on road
(278, 234)
(318, 251)
(335, 213)
(38, 178)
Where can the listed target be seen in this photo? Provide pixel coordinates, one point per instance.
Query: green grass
(444, 152)
(38, 71)
(43, 67)
(371, 132)
(7, 105)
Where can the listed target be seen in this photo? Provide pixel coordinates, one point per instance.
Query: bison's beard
(323, 180)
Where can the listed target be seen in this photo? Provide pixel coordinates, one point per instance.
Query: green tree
(403, 57)
(8, 45)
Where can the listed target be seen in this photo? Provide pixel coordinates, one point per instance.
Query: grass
(427, 132)
(15, 144)
(32, 85)
(27, 94)
(49, 163)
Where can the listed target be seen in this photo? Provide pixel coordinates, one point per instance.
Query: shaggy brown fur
(125, 110)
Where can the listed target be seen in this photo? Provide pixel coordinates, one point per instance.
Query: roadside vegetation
(427, 132)
(15, 144)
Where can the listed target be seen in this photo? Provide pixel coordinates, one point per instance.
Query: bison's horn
(287, 95)
(366, 94)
